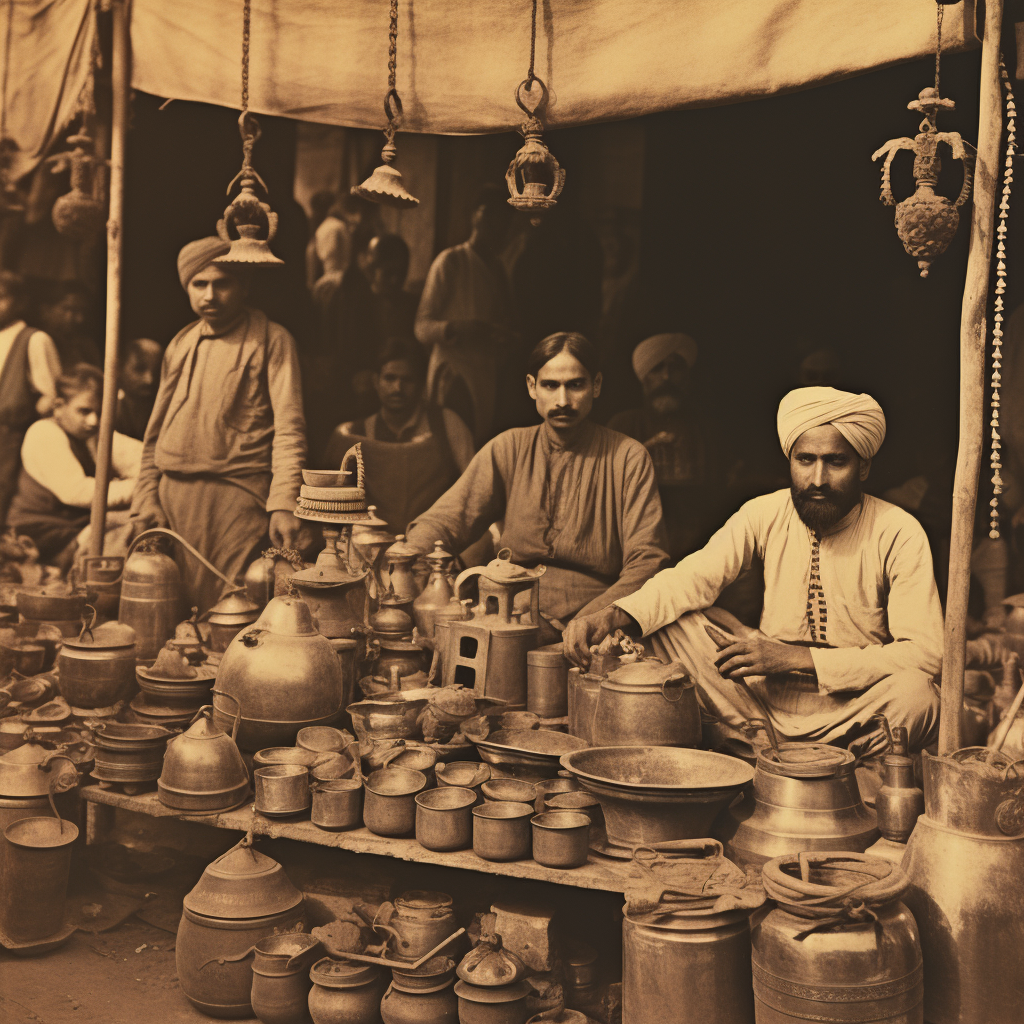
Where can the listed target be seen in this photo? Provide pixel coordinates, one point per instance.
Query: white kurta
(879, 609)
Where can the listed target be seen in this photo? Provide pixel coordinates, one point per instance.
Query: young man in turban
(851, 624)
(223, 452)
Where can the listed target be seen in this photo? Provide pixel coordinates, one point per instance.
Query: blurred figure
(387, 259)
(65, 312)
(58, 475)
(138, 378)
(464, 316)
(339, 241)
(413, 450)
(29, 365)
(820, 368)
(320, 204)
(668, 428)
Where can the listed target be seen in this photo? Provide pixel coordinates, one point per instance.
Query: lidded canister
(150, 599)
(547, 682)
(839, 945)
(687, 960)
(647, 703)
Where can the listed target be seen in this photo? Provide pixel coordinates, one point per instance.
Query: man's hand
(284, 529)
(758, 655)
(585, 630)
(147, 518)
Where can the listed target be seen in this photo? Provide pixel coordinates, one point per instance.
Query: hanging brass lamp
(534, 178)
(248, 224)
(385, 185)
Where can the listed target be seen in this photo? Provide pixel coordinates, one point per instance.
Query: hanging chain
(938, 41)
(393, 46)
(533, 46)
(246, 17)
(995, 461)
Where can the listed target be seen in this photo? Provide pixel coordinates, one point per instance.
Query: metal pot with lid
(804, 798)
(97, 668)
(203, 770)
(398, 572)
(647, 703)
(283, 673)
(173, 681)
(26, 771)
(228, 616)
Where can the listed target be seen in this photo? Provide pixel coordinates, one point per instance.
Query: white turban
(652, 351)
(859, 418)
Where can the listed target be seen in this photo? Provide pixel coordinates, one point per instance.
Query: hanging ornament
(534, 177)
(385, 186)
(926, 222)
(248, 224)
(995, 458)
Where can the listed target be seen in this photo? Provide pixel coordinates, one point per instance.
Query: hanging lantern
(81, 213)
(385, 186)
(248, 224)
(534, 177)
(926, 221)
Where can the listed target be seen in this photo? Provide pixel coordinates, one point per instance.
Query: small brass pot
(561, 839)
(501, 831)
(389, 800)
(282, 789)
(444, 818)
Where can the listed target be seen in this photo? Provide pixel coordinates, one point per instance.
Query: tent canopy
(459, 63)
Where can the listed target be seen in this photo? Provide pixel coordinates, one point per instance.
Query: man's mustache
(825, 492)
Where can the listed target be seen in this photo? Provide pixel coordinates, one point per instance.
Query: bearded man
(851, 624)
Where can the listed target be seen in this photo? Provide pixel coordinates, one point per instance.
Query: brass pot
(150, 600)
(805, 797)
(416, 922)
(228, 617)
(283, 673)
(501, 831)
(282, 789)
(561, 839)
(337, 804)
(647, 703)
(203, 770)
(345, 992)
(444, 819)
(97, 668)
(389, 805)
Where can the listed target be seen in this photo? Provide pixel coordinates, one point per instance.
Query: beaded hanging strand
(995, 461)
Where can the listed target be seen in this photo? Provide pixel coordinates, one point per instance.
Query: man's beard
(665, 400)
(822, 513)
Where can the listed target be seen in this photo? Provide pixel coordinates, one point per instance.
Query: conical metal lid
(401, 550)
(232, 608)
(109, 635)
(243, 883)
(287, 616)
(169, 667)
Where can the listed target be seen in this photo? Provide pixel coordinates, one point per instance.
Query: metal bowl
(323, 477)
(382, 719)
(658, 794)
(528, 753)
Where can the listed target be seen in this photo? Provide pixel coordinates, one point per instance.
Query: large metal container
(97, 668)
(647, 703)
(686, 967)
(584, 688)
(150, 600)
(547, 682)
(839, 946)
(965, 861)
(283, 673)
(805, 797)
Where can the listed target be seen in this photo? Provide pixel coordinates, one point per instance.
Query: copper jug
(438, 592)
(899, 803)
(397, 570)
(804, 797)
(333, 589)
(965, 861)
(203, 770)
(647, 703)
(283, 673)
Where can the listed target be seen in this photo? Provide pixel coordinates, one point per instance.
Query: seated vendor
(413, 450)
(571, 495)
(57, 479)
(851, 626)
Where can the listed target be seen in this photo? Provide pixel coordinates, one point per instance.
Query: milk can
(839, 945)
(150, 600)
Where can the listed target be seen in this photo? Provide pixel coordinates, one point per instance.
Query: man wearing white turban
(851, 625)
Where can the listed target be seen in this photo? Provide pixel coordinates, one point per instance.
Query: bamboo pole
(973, 329)
(108, 411)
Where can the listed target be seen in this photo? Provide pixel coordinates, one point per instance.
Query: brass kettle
(283, 673)
(203, 770)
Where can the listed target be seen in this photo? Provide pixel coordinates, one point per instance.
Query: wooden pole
(121, 85)
(973, 330)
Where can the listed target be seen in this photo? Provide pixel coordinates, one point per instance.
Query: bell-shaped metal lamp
(534, 178)
(250, 218)
(385, 186)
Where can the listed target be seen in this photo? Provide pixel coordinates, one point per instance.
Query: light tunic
(588, 510)
(883, 613)
(43, 362)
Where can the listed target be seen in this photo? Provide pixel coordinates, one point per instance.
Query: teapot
(398, 563)
(438, 592)
(203, 770)
(416, 922)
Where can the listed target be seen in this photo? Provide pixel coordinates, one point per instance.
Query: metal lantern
(534, 178)
(385, 186)
(81, 213)
(252, 220)
(926, 221)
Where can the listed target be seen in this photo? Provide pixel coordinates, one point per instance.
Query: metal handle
(227, 959)
(238, 716)
(682, 679)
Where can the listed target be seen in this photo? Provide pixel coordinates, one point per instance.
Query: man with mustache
(851, 624)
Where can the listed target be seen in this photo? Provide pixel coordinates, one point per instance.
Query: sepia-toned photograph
(511, 512)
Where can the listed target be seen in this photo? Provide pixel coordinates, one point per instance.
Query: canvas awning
(459, 62)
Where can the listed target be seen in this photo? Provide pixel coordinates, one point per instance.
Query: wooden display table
(602, 873)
